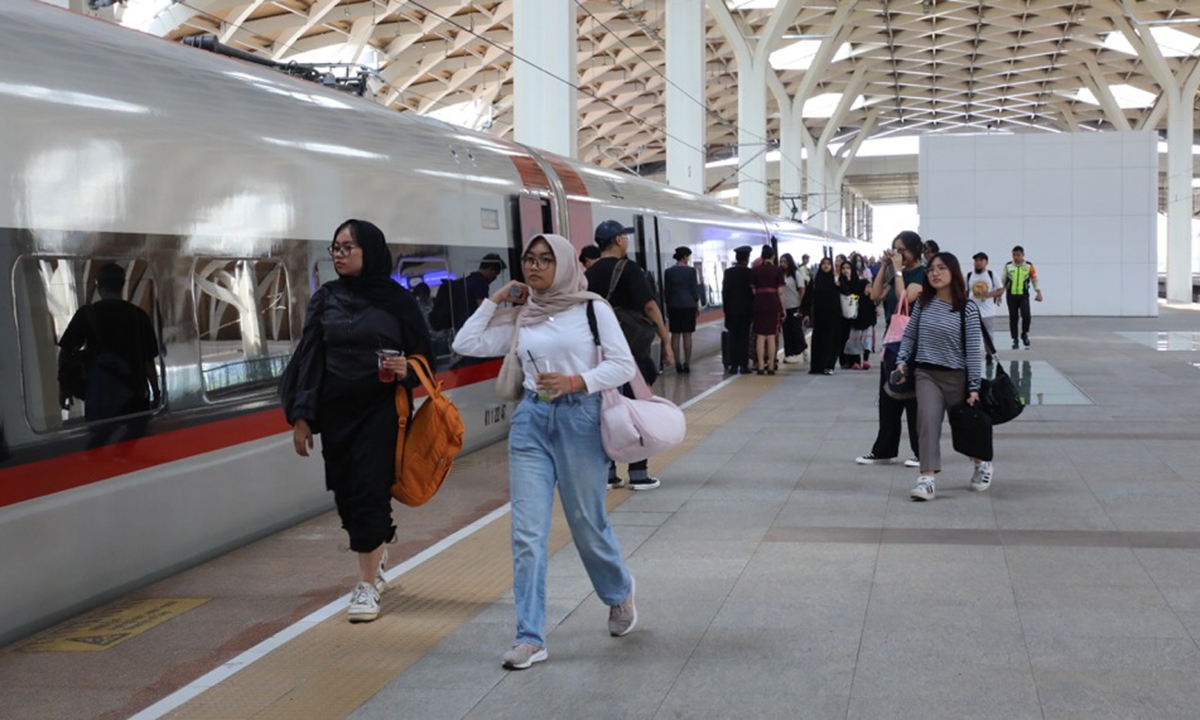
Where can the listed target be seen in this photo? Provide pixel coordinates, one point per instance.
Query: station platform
(776, 578)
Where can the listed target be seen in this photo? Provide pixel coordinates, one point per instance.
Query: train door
(647, 252)
(531, 215)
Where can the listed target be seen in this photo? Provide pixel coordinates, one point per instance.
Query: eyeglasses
(336, 249)
(539, 262)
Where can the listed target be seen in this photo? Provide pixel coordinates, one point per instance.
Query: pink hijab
(568, 289)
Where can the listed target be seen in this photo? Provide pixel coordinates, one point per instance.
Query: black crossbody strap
(595, 328)
(616, 277)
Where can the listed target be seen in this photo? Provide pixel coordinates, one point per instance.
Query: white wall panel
(1050, 234)
(1045, 152)
(957, 190)
(1096, 191)
(1139, 235)
(1139, 187)
(998, 193)
(1096, 150)
(1046, 192)
(1082, 205)
(996, 157)
(956, 236)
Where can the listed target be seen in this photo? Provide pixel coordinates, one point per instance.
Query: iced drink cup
(386, 375)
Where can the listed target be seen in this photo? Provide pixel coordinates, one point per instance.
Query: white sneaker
(870, 459)
(522, 655)
(381, 582)
(364, 603)
(982, 479)
(923, 490)
(912, 462)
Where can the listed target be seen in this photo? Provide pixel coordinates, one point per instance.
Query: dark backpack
(450, 306)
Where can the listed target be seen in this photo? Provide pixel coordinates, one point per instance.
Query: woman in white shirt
(555, 433)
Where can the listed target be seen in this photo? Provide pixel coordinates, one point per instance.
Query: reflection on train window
(243, 323)
(428, 278)
(89, 344)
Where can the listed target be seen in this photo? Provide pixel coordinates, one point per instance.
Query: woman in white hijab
(555, 433)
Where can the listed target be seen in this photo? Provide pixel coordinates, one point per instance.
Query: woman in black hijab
(340, 383)
(825, 312)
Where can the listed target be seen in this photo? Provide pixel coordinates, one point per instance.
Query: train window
(88, 337)
(243, 322)
(427, 278)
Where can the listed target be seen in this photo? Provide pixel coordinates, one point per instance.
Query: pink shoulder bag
(637, 428)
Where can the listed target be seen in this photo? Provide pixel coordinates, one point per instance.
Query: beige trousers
(937, 391)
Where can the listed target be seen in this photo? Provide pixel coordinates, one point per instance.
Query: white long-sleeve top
(565, 340)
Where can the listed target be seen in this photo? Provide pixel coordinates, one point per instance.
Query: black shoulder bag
(639, 330)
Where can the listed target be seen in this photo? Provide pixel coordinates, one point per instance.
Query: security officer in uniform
(738, 296)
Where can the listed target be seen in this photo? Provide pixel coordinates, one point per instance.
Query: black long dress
(825, 310)
(332, 382)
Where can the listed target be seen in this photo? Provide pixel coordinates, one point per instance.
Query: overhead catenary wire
(639, 121)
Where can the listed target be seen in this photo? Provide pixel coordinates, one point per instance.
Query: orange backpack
(427, 443)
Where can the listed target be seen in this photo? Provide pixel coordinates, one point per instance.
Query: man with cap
(112, 341)
(985, 291)
(631, 292)
(737, 295)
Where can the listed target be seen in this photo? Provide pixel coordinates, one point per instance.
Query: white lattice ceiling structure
(916, 66)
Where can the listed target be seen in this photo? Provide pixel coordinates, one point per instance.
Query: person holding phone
(901, 275)
(946, 365)
(555, 438)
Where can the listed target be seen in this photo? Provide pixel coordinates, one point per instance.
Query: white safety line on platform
(264, 648)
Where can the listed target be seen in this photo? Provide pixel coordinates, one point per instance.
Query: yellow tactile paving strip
(333, 668)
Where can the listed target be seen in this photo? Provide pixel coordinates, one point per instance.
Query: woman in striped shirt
(946, 361)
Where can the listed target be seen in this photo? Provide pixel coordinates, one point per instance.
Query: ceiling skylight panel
(800, 55)
(1127, 97)
(1171, 42)
(823, 106)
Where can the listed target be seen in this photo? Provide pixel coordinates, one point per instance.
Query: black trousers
(1018, 305)
(887, 442)
(738, 327)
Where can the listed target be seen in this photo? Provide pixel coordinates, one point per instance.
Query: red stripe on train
(77, 469)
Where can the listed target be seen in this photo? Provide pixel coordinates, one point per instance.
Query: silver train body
(217, 184)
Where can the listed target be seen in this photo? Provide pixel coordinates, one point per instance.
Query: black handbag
(639, 330)
(998, 397)
(971, 431)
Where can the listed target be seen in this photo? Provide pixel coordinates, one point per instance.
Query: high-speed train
(216, 184)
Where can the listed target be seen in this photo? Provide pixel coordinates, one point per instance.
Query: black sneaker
(1016, 345)
(870, 459)
(1025, 339)
(616, 482)
(646, 483)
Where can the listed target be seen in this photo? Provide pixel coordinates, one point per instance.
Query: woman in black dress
(824, 305)
(341, 383)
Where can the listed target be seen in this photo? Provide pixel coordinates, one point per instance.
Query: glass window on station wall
(88, 335)
(243, 323)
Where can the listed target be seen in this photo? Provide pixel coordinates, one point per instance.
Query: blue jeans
(549, 443)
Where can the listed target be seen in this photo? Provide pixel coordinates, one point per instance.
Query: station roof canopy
(914, 66)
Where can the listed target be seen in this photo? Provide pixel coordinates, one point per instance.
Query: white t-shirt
(979, 287)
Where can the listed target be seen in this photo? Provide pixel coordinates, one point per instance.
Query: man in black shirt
(632, 292)
(479, 282)
(737, 295)
(106, 359)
